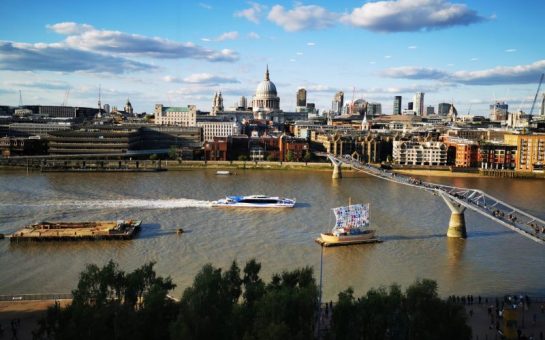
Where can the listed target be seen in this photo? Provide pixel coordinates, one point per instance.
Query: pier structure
(457, 223)
(501, 212)
(337, 165)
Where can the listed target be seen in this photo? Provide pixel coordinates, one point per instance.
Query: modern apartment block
(419, 153)
(530, 155)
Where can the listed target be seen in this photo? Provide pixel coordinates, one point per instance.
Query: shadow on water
(415, 237)
(488, 233)
(302, 205)
(154, 230)
(432, 236)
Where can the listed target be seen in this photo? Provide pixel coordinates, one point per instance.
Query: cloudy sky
(180, 52)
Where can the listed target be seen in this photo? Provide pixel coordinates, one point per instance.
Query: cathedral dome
(266, 98)
(266, 89)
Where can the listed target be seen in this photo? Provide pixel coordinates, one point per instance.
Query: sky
(179, 52)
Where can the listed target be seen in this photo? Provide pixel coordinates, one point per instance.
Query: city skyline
(182, 53)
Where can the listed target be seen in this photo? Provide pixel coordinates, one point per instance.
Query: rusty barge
(75, 231)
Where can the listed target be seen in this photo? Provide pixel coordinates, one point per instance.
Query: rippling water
(412, 223)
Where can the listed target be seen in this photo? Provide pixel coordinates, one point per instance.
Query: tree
(289, 156)
(271, 158)
(173, 152)
(109, 304)
(307, 157)
(416, 314)
(242, 158)
(153, 157)
(206, 307)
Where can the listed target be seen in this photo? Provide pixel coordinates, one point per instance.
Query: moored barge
(72, 231)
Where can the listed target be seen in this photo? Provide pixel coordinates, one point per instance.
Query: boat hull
(251, 205)
(330, 239)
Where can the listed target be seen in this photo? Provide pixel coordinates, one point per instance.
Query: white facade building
(181, 116)
(419, 103)
(419, 153)
(218, 129)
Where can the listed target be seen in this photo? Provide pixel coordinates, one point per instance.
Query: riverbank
(437, 173)
(27, 312)
(481, 317)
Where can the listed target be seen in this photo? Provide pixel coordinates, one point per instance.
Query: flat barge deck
(346, 243)
(75, 231)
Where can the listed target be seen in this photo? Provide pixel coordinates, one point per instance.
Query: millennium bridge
(457, 199)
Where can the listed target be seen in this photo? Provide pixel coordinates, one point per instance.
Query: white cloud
(410, 15)
(319, 88)
(57, 57)
(311, 44)
(412, 47)
(253, 13)
(511, 50)
(70, 28)
(253, 35)
(520, 74)
(201, 78)
(292, 60)
(228, 36)
(474, 59)
(41, 84)
(409, 72)
(92, 39)
(299, 53)
(206, 39)
(302, 17)
(205, 6)
(387, 56)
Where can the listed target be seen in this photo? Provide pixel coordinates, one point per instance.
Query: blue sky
(181, 52)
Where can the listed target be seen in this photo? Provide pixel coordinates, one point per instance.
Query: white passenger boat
(255, 201)
(351, 227)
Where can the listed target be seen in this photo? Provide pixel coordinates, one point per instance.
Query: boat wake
(125, 203)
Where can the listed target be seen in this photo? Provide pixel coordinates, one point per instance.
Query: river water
(412, 223)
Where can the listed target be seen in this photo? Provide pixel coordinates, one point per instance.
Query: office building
(419, 103)
(374, 109)
(498, 111)
(213, 129)
(301, 99)
(430, 110)
(443, 109)
(397, 105)
(181, 116)
(338, 102)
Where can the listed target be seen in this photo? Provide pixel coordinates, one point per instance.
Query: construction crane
(537, 93)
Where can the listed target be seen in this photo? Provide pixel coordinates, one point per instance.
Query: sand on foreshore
(28, 312)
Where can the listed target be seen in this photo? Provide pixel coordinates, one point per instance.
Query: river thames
(412, 223)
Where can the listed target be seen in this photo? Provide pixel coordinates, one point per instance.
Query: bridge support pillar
(337, 173)
(457, 223)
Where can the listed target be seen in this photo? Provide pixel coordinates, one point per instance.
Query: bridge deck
(487, 205)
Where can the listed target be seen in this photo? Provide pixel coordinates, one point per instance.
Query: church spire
(267, 74)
